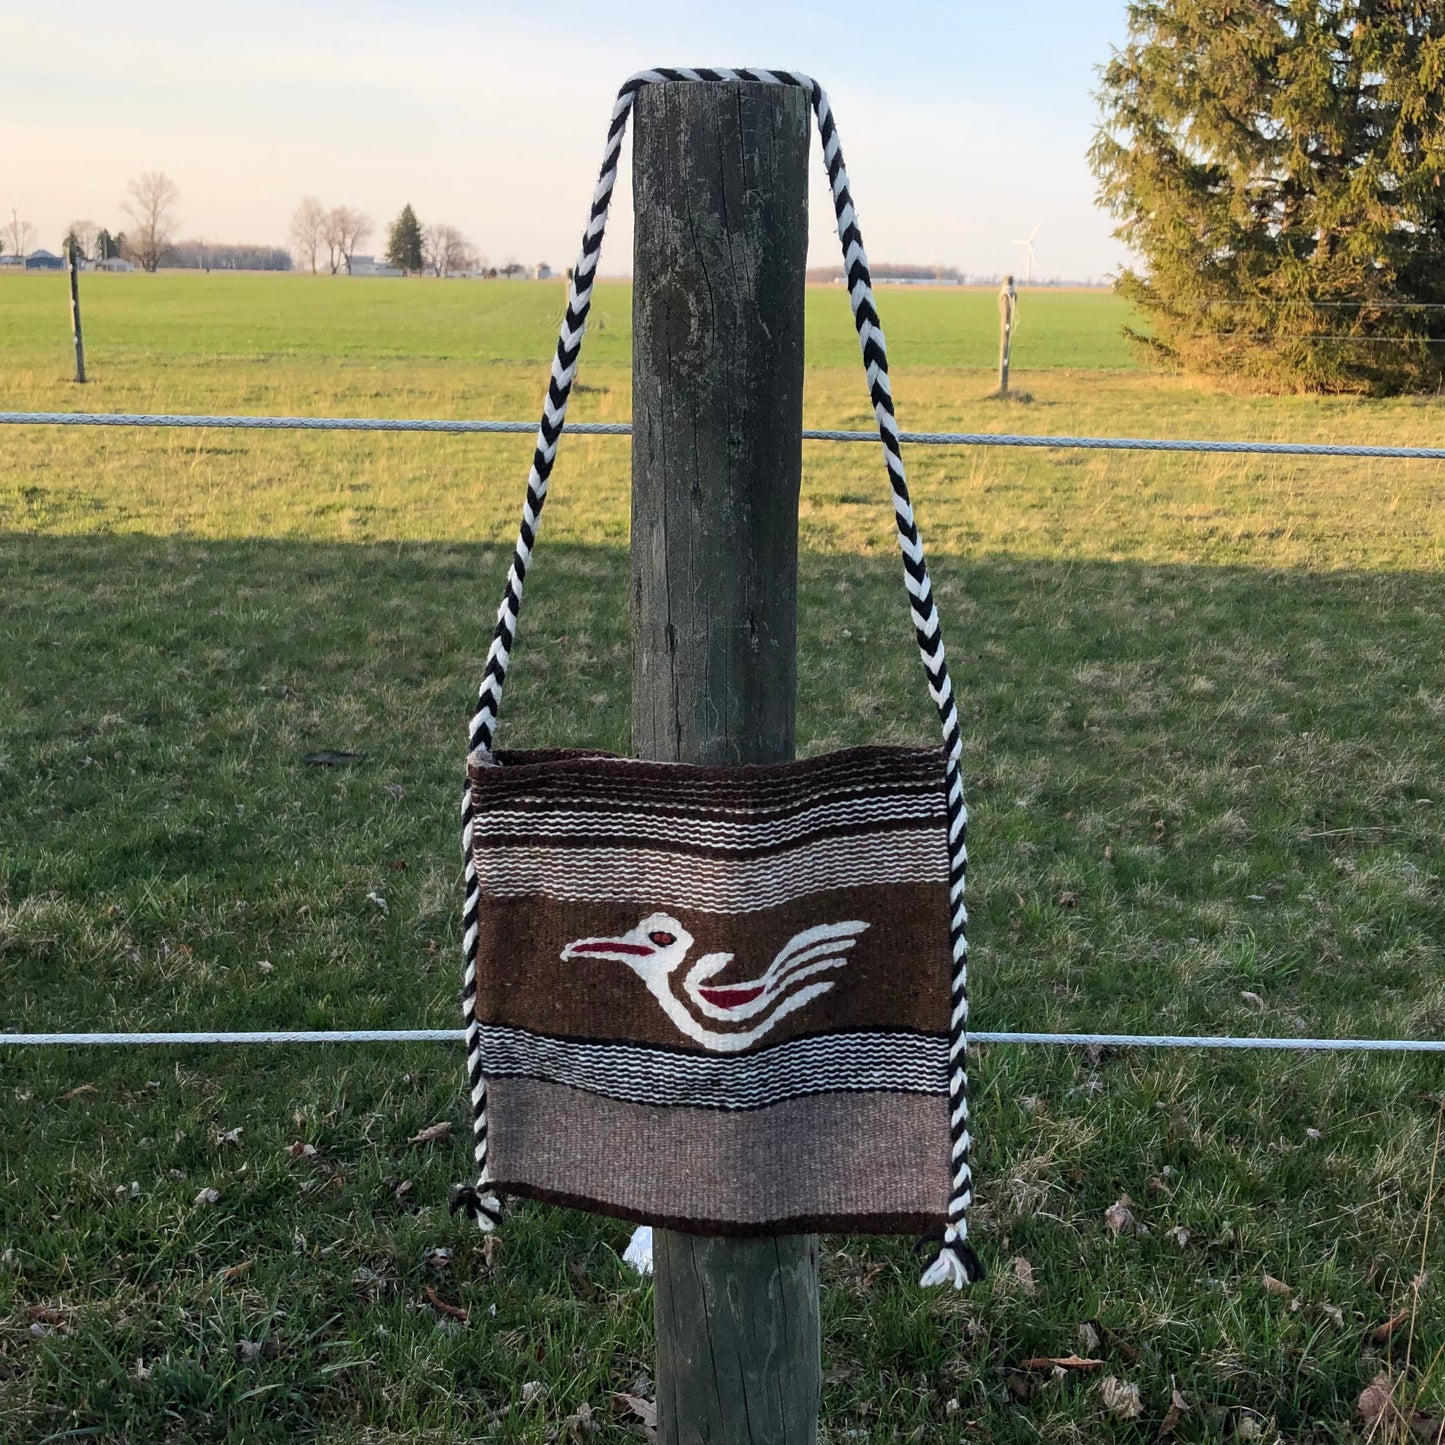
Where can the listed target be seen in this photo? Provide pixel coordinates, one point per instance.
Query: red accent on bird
(609, 945)
(731, 996)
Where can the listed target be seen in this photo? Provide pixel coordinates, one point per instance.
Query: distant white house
(370, 266)
(543, 272)
(115, 263)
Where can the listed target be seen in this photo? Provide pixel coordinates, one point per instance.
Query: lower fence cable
(452, 1036)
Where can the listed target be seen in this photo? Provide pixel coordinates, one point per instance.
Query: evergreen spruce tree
(403, 245)
(1279, 167)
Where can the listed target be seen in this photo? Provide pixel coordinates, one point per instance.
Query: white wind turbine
(1028, 246)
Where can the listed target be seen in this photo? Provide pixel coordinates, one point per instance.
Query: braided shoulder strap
(956, 1262)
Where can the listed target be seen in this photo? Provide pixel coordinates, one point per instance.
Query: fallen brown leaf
(1068, 899)
(455, 1312)
(1178, 1407)
(645, 1410)
(432, 1131)
(78, 1091)
(301, 1150)
(1120, 1218)
(1382, 1414)
(1062, 1362)
(1377, 1402)
(208, 1196)
(1024, 1273)
(1253, 998)
(49, 1314)
(1121, 1398)
(1278, 1286)
(236, 1271)
(1382, 1332)
(581, 1426)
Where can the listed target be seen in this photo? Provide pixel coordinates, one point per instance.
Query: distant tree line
(205, 255)
(891, 271)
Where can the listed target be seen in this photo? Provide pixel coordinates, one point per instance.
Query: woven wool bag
(727, 1000)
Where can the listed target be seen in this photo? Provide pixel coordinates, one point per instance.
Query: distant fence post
(720, 199)
(72, 264)
(1008, 304)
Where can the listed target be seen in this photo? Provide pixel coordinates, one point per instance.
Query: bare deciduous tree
(307, 228)
(18, 235)
(343, 232)
(445, 250)
(84, 233)
(151, 209)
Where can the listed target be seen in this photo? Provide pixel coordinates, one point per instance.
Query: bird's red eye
(661, 939)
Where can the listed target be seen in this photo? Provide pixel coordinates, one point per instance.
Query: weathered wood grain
(720, 199)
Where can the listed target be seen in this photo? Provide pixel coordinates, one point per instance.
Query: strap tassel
(486, 1208)
(956, 1263)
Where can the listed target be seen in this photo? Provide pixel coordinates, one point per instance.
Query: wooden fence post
(720, 203)
(1008, 305)
(72, 264)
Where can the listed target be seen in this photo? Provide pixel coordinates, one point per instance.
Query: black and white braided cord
(956, 1262)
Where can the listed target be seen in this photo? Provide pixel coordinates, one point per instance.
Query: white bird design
(655, 951)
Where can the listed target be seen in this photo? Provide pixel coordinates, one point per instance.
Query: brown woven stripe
(681, 787)
(896, 976)
(770, 1171)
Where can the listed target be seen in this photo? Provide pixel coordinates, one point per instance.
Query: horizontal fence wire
(622, 428)
(451, 1036)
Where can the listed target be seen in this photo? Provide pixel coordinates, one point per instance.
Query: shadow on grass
(1203, 800)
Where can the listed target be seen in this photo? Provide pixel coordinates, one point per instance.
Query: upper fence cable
(812, 434)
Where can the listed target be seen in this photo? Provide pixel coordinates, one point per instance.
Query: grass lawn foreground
(1203, 701)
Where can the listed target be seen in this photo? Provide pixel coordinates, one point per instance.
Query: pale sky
(963, 124)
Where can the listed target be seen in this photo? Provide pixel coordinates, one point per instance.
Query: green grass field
(1203, 702)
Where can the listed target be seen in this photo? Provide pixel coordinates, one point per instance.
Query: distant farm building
(44, 261)
(543, 272)
(370, 266)
(114, 263)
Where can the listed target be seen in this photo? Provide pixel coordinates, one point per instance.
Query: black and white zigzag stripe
(956, 1262)
(892, 1062)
